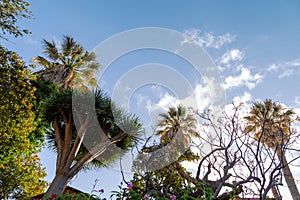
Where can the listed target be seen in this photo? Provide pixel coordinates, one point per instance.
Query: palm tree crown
(270, 122)
(69, 64)
(175, 118)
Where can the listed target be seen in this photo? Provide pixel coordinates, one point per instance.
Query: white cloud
(286, 73)
(297, 100)
(232, 55)
(195, 36)
(285, 69)
(245, 98)
(244, 79)
(157, 90)
(272, 67)
(294, 63)
(199, 100)
(164, 103)
(141, 99)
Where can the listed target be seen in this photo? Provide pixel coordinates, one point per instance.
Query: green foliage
(167, 181)
(60, 104)
(43, 89)
(95, 195)
(20, 169)
(130, 193)
(125, 193)
(162, 182)
(68, 65)
(10, 12)
(68, 196)
(71, 68)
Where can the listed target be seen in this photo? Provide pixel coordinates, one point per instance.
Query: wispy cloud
(197, 37)
(286, 73)
(245, 78)
(237, 75)
(141, 99)
(157, 90)
(285, 69)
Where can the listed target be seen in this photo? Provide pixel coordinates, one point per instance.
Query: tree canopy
(74, 126)
(68, 64)
(10, 12)
(20, 168)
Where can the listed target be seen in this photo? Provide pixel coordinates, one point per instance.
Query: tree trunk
(288, 176)
(68, 79)
(58, 185)
(275, 192)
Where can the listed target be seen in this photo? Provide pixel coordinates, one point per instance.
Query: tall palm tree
(69, 141)
(175, 118)
(176, 126)
(270, 122)
(67, 64)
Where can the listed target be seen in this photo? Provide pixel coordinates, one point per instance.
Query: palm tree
(270, 122)
(175, 118)
(175, 127)
(105, 143)
(68, 65)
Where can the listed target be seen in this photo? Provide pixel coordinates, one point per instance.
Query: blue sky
(259, 59)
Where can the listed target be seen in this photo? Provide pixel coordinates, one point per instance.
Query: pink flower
(172, 197)
(101, 190)
(53, 196)
(129, 186)
(146, 196)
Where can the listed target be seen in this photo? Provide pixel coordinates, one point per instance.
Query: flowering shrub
(130, 193)
(125, 193)
(129, 186)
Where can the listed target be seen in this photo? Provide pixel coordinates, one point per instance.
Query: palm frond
(72, 57)
(176, 117)
(267, 121)
(42, 62)
(67, 45)
(112, 120)
(50, 50)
